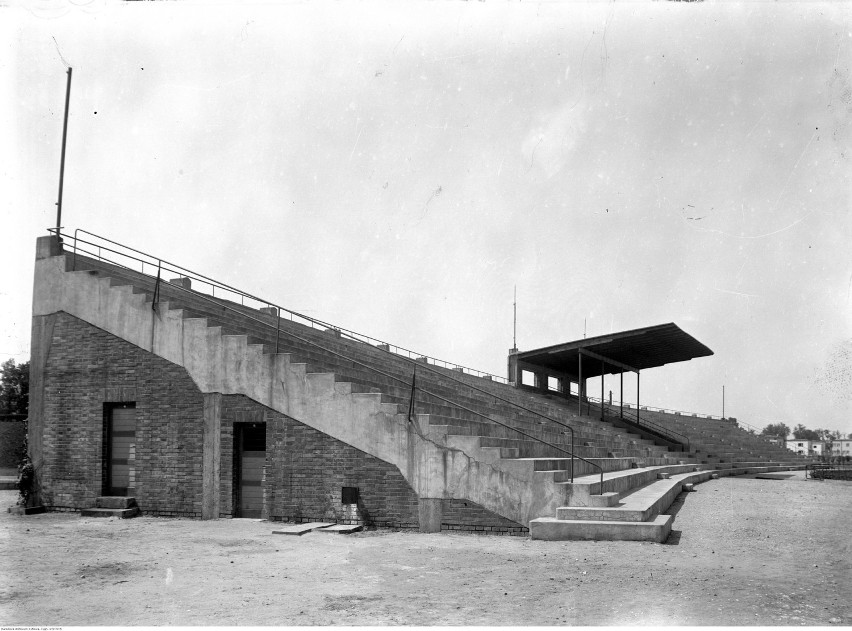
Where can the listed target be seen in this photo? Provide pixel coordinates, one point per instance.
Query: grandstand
(185, 396)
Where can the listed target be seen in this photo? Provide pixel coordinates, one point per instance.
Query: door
(121, 450)
(251, 456)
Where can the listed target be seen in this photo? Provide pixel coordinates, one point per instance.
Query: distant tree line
(14, 388)
(14, 403)
(801, 432)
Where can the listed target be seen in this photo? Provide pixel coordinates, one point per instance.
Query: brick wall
(306, 471)
(468, 516)
(12, 435)
(87, 368)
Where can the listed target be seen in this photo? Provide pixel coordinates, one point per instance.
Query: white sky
(396, 170)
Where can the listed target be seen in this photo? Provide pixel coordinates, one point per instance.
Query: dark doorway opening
(249, 459)
(119, 471)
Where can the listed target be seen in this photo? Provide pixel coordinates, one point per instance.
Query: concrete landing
(300, 529)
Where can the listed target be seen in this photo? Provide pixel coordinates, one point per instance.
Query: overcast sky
(397, 171)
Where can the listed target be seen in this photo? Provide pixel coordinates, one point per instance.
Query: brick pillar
(211, 456)
(41, 336)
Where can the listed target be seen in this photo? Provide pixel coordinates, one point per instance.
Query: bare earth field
(744, 551)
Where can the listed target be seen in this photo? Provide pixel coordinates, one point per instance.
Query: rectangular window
(349, 495)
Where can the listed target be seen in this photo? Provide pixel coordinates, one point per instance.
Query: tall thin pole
(62, 159)
(515, 320)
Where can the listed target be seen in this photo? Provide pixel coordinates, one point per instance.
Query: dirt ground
(744, 551)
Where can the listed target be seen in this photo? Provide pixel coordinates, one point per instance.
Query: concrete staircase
(632, 506)
(111, 506)
(359, 394)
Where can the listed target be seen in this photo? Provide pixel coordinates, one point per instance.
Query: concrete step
(114, 501)
(552, 529)
(121, 513)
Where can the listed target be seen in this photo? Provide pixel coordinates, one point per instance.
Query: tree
(776, 429)
(803, 433)
(14, 387)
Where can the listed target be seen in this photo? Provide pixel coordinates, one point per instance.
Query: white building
(806, 447)
(842, 447)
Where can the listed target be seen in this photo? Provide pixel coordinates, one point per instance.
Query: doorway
(249, 458)
(120, 457)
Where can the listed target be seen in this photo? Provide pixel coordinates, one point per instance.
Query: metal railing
(751, 429)
(653, 408)
(651, 426)
(242, 295)
(166, 266)
(828, 471)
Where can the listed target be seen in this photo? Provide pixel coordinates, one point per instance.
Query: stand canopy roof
(632, 350)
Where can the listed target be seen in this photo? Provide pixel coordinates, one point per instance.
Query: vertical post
(277, 328)
(621, 394)
(411, 401)
(580, 385)
(62, 159)
(603, 367)
(637, 395)
(515, 320)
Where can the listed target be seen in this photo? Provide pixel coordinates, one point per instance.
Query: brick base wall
(88, 368)
(306, 471)
(468, 516)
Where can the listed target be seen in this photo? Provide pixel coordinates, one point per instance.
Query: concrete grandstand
(185, 396)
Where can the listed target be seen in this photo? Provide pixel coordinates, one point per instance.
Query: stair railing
(218, 302)
(182, 271)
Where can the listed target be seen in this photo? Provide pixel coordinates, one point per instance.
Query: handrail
(197, 276)
(673, 412)
(667, 432)
(349, 334)
(653, 408)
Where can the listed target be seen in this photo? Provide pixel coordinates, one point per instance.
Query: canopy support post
(580, 387)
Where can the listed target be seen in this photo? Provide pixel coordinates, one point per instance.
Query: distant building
(841, 447)
(806, 447)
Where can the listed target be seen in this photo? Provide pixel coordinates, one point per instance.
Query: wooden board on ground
(343, 529)
(300, 529)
